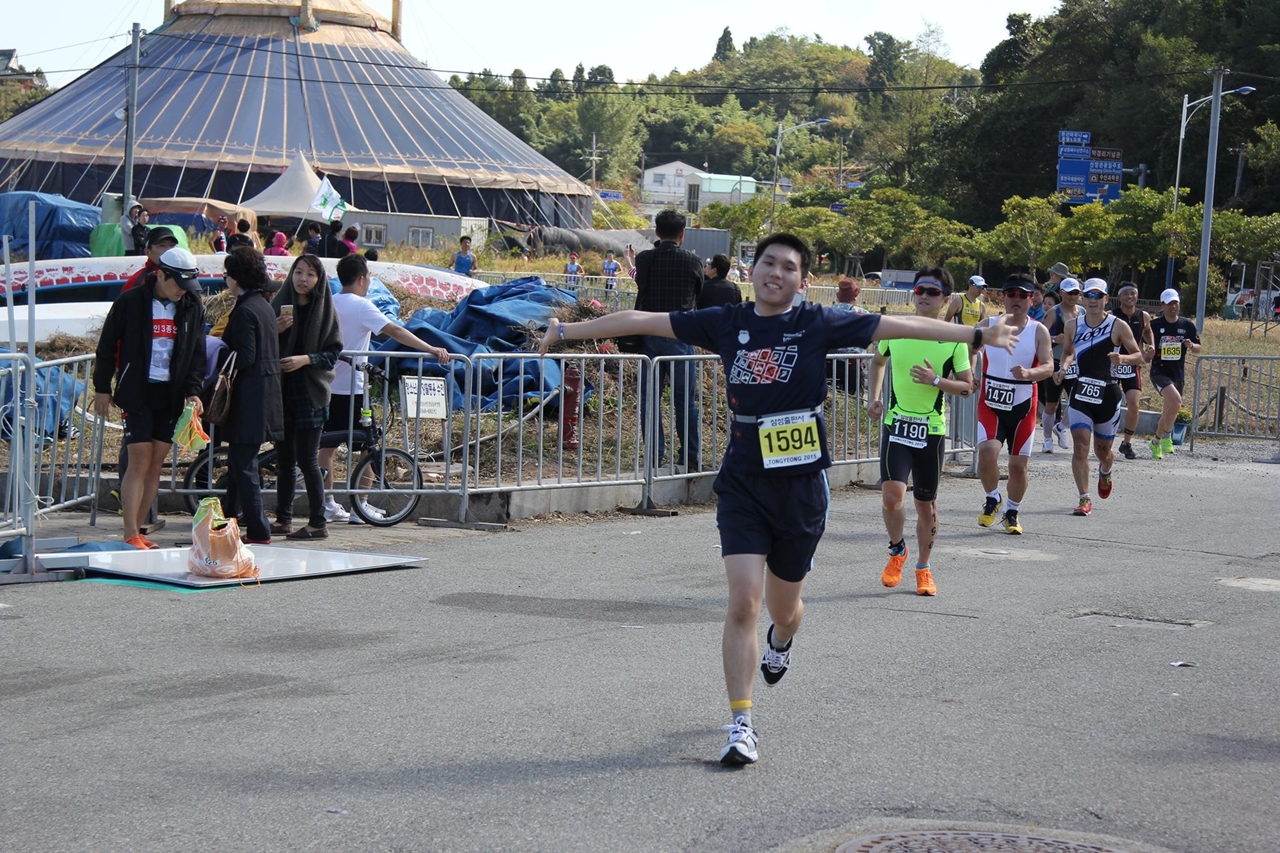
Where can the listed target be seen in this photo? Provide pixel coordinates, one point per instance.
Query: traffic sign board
(1075, 152)
(1106, 154)
(611, 195)
(837, 207)
(1074, 137)
(1104, 177)
(1106, 166)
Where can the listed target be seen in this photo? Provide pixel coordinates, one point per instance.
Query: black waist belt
(751, 419)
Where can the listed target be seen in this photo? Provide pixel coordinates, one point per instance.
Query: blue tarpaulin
(62, 226)
(56, 396)
(488, 320)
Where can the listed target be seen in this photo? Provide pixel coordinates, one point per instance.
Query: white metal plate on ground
(275, 563)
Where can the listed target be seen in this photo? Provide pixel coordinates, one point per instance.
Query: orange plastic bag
(189, 434)
(216, 549)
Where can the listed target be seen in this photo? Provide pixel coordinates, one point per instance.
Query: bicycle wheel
(198, 476)
(390, 469)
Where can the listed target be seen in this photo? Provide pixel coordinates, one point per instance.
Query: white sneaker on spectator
(335, 512)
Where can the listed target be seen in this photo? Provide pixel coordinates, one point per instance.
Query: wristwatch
(936, 379)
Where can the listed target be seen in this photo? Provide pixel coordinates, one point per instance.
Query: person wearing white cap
(1093, 400)
(152, 346)
(1130, 376)
(1174, 337)
(969, 307)
(1050, 390)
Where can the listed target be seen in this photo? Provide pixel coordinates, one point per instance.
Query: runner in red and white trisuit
(1007, 403)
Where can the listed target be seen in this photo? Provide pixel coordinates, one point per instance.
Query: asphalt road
(558, 687)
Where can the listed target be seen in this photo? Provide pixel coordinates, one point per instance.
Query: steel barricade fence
(1235, 397)
(537, 433)
(853, 437)
(68, 465)
(15, 419)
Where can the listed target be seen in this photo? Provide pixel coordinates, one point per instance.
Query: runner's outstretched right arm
(608, 326)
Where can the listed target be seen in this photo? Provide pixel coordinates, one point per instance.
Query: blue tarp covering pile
(482, 323)
(56, 396)
(62, 226)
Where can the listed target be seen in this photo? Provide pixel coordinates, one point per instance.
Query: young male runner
(1174, 336)
(1093, 406)
(915, 426)
(772, 486)
(1130, 376)
(1051, 390)
(1007, 404)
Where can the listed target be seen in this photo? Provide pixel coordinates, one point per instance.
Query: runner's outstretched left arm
(929, 329)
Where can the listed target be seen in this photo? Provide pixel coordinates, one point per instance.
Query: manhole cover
(1007, 554)
(967, 842)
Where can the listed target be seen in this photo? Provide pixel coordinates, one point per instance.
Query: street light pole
(1210, 175)
(777, 153)
(131, 123)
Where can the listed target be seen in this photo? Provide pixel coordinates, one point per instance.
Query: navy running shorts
(782, 518)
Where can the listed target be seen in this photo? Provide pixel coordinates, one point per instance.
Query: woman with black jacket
(257, 413)
(310, 342)
(152, 345)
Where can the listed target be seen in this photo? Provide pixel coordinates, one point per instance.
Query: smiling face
(1129, 299)
(1171, 310)
(776, 277)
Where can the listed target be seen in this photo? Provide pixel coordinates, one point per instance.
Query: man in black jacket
(717, 290)
(152, 344)
(669, 278)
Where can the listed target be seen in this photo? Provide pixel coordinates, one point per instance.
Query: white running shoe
(1061, 431)
(741, 748)
(369, 509)
(335, 512)
(1048, 446)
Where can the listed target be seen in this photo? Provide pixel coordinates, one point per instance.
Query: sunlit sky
(66, 37)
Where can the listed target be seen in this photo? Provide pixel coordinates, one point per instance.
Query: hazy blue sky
(502, 35)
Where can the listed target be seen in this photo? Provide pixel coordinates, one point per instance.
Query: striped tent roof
(239, 85)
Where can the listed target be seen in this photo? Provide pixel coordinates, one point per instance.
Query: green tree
(724, 47)
(743, 221)
(1028, 228)
(616, 214)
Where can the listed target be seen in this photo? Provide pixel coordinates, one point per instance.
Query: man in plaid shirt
(668, 278)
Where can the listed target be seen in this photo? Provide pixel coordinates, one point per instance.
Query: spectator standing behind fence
(310, 342)
(349, 237)
(610, 268)
(313, 240)
(127, 221)
(152, 345)
(668, 278)
(331, 245)
(241, 237)
(257, 413)
(717, 290)
(464, 260)
(359, 320)
(572, 270)
(141, 229)
(279, 248)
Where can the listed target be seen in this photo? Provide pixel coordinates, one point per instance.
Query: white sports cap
(1170, 295)
(1069, 285)
(977, 280)
(1094, 284)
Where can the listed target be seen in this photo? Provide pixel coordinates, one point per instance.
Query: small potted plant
(1180, 424)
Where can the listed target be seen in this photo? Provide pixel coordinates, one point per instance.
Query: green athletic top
(908, 397)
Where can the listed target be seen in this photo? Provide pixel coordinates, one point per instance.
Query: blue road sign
(1106, 166)
(837, 207)
(611, 195)
(1074, 137)
(1075, 152)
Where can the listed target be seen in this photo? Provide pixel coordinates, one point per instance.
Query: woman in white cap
(1174, 337)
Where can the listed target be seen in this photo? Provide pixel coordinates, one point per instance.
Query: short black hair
(464, 239)
(246, 266)
(243, 226)
(335, 227)
(1022, 278)
(313, 228)
(943, 277)
(351, 267)
(669, 224)
(791, 241)
(370, 254)
(720, 263)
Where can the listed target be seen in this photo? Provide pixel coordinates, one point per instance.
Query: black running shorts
(782, 518)
(923, 464)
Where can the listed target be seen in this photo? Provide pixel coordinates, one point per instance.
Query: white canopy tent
(291, 194)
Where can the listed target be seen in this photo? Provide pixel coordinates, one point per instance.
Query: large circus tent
(231, 91)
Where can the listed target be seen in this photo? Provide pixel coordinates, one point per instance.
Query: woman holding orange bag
(257, 413)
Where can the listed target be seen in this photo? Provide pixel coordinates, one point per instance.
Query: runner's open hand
(1000, 336)
(923, 375)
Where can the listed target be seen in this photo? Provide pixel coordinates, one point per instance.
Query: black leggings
(300, 448)
(244, 491)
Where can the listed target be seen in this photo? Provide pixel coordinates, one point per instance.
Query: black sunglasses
(927, 291)
(1016, 293)
(1095, 294)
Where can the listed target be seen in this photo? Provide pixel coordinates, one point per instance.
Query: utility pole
(1239, 150)
(130, 109)
(1210, 175)
(595, 157)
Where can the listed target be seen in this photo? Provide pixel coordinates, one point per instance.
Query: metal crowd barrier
(18, 509)
(1235, 397)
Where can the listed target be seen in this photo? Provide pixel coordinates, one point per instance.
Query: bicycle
(395, 481)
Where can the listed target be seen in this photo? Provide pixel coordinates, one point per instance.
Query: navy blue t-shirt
(774, 365)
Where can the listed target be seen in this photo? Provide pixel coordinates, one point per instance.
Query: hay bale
(218, 305)
(65, 346)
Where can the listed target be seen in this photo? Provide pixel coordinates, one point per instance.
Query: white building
(688, 188)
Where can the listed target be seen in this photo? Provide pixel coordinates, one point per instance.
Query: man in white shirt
(360, 320)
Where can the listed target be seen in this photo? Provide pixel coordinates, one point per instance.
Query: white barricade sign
(424, 398)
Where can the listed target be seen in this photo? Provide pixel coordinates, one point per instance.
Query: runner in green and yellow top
(915, 426)
(970, 307)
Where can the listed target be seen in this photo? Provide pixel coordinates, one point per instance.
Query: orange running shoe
(924, 583)
(141, 542)
(892, 574)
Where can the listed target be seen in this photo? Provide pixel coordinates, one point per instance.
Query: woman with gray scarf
(310, 342)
